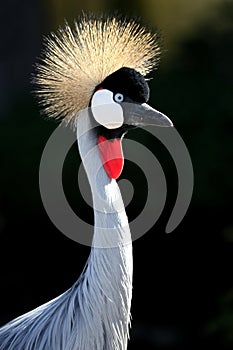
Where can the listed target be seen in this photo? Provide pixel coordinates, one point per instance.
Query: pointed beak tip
(170, 124)
(163, 122)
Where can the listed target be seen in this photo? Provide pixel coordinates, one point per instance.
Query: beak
(143, 114)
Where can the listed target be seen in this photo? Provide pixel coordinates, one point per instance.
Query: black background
(182, 295)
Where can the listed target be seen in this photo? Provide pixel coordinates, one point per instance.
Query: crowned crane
(98, 67)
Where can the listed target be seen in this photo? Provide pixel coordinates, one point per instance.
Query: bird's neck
(111, 223)
(108, 273)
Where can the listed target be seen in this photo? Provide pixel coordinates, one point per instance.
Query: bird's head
(117, 105)
(121, 99)
(101, 64)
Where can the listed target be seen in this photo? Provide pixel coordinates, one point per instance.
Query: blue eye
(118, 97)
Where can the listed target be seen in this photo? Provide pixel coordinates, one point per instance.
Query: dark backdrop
(183, 296)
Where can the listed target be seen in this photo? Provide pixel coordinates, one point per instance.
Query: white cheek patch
(105, 110)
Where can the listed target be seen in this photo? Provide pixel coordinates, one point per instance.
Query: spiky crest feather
(77, 60)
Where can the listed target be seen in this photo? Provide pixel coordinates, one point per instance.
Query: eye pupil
(118, 97)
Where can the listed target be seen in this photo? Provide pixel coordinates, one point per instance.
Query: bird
(93, 76)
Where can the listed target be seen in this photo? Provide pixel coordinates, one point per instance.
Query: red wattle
(111, 156)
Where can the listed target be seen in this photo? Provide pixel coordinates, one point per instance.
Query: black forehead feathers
(129, 82)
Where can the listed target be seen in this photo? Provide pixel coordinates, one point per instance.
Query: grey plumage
(95, 312)
(84, 317)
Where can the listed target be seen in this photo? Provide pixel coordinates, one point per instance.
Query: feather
(92, 314)
(75, 60)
